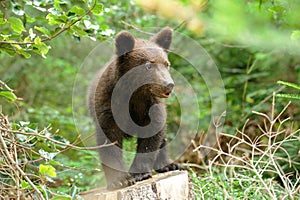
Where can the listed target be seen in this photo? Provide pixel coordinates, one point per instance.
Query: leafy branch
(7, 93)
(67, 21)
(55, 34)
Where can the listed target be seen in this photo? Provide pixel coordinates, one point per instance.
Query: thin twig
(182, 24)
(14, 164)
(58, 142)
(6, 86)
(263, 159)
(264, 101)
(137, 29)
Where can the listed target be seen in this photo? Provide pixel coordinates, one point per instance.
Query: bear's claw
(170, 167)
(125, 181)
(141, 176)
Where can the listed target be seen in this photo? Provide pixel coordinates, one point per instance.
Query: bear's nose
(170, 86)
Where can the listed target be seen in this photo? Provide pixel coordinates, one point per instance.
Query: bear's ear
(163, 38)
(124, 43)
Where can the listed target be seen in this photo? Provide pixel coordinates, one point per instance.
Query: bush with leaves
(27, 159)
(31, 161)
(251, 53)
(27, 26)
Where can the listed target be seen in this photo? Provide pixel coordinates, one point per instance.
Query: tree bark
(173, 185)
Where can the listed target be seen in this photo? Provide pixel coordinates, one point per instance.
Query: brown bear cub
(125, 100)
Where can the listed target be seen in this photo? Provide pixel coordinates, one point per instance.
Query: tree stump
(174, 185)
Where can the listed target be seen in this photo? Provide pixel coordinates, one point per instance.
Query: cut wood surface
(173, 185)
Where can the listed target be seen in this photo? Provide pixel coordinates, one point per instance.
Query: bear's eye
(148, 65)
(167, 64)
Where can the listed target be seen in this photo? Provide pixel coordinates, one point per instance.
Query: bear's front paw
(124, 181)
(141, 176)
(170, 167)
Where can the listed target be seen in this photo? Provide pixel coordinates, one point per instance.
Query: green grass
(266, 167)
(218, 186)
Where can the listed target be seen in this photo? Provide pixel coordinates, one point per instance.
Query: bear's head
(150, 57)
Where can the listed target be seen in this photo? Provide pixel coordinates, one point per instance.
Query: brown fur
(132, 53)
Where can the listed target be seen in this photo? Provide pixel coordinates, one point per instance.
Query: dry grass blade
(247, 159)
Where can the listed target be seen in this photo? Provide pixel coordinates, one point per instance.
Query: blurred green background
(254, 44)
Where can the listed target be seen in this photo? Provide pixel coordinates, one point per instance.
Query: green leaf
(9, 51)
(77, 10)
(17, 47)
(33, 19)
(27, 39)
(53, 162)
(38, 41)
(16, 25)
(57, 4)
(276, 9)
(61, 197)
(295, 35)
(42, 48)
(79, 31)
(2, 21)
(292, 85)
(42, 30)
(97, 9)
(289, 96)
(23, 53)
(47, 170)
(54, 19)
(8, 95)
(25, 185)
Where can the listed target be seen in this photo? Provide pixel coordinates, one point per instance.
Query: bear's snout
(170, 86)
